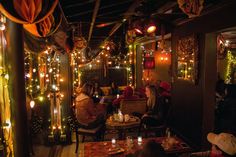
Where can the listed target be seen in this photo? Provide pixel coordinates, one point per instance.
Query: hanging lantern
(46, 27)
(149, 63)
(27, 11)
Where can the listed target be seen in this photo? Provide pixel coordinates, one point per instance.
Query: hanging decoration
(43, 79)
(46, 27)
(231, 68)
(79, 41)
(192, 8)
(221, 47)
(27, 11)
(130, 36)
(6, 140)
(187, 58)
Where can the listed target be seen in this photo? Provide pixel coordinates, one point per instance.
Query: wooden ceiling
(101, 19)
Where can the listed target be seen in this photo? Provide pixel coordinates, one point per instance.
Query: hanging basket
(46, 27)
(27, 11)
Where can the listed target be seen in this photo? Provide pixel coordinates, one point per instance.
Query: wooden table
(101, 149)
(121, 127)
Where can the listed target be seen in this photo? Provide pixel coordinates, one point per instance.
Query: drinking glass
(129, 141)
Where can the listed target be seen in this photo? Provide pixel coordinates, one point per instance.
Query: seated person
(156, 109)
(97, 91)
(226, 117)
(127, 94)
(223, 145)
(88, 114)
(114, 90)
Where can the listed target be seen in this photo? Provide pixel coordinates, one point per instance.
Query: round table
(122, 126)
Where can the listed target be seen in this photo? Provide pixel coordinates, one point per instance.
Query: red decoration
(149, 63)
(192, 8)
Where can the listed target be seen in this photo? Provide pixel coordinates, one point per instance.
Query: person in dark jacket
(114, 90)
(156, 109)
(227, 120)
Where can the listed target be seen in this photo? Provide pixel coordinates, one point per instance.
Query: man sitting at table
(88, 114)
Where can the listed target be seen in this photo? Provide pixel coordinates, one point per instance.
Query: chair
(160, 128)
(88, 132)
(131, 106)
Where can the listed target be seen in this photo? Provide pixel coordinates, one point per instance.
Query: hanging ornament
(192, 8)
(46, 27)
(79, 41)
(130, 36)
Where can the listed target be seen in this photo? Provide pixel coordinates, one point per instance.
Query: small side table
(122, 126)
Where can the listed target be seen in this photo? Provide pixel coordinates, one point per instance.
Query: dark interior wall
(194, 104)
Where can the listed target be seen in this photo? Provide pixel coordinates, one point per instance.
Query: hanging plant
(27, 11)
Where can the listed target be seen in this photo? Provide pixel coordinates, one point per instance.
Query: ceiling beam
(103, 7)
(79, 4)
(95, 11)
(165, 8)
(127, 15)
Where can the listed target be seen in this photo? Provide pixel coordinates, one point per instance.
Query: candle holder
(113, 142)
(140, 140)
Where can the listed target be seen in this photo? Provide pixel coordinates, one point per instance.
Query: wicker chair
(132, 106)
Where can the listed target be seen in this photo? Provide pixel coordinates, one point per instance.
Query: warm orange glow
(138, 31)
(151, 29)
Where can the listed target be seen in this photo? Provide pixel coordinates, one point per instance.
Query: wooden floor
(55, 151)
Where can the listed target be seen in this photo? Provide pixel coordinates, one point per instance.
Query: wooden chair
(88, 132)
(131, 106)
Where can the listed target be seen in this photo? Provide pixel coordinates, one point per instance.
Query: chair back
(131, 106)
(168, 110)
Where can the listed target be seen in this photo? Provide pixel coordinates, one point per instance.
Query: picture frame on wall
(187, 58)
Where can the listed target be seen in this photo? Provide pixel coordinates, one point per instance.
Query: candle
(117, 96)
(140, 140)
(113, 142)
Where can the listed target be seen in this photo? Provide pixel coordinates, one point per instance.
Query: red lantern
(149, 63)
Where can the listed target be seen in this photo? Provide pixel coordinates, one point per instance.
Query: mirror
(187, 58)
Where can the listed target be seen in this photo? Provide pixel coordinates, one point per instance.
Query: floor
(67, 150)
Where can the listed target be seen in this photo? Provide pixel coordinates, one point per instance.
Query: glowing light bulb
(32, 103)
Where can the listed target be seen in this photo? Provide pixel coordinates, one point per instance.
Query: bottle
(168, 132)
(120, 115)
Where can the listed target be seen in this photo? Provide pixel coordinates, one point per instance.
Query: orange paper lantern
(27, 11)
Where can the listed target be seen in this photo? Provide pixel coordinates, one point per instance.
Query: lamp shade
(150, 26)
(149, 63)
